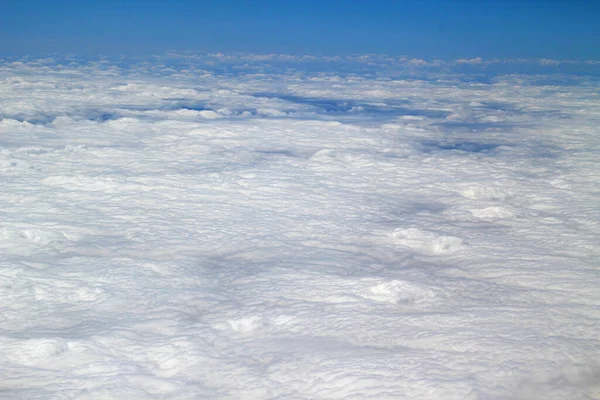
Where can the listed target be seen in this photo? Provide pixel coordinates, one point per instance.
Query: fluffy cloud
(175, 230)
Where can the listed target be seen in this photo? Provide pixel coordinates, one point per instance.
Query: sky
(426, 29)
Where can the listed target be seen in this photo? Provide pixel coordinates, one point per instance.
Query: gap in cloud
(498, 106)
(38, 119)
(508, 109)
(392, 108)
(193, 108)
(476, 127)
(182, 103)
(102, 116)
(429, 146)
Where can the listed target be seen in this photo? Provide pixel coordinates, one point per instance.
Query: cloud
(475, 61)
(175, 227)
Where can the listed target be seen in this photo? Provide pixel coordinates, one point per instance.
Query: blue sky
(426, 29)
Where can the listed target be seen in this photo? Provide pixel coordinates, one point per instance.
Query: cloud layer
(184, 230)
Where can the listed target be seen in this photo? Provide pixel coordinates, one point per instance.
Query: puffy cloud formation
(185, 230)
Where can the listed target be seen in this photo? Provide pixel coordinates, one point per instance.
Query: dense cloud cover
(202, 229)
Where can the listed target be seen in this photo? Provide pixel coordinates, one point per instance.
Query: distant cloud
(180, 64)
(475, 61)
(545, 61)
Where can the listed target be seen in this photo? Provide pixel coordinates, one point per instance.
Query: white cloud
(476, 61)
(171, 232)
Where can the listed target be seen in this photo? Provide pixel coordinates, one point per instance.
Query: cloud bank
(186, 230)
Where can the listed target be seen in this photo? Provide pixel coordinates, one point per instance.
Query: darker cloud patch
(101, 116)
(277, 152)
(429, 146)
(40, 119)
(395, 108)
(193, 108)
(474, 126)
